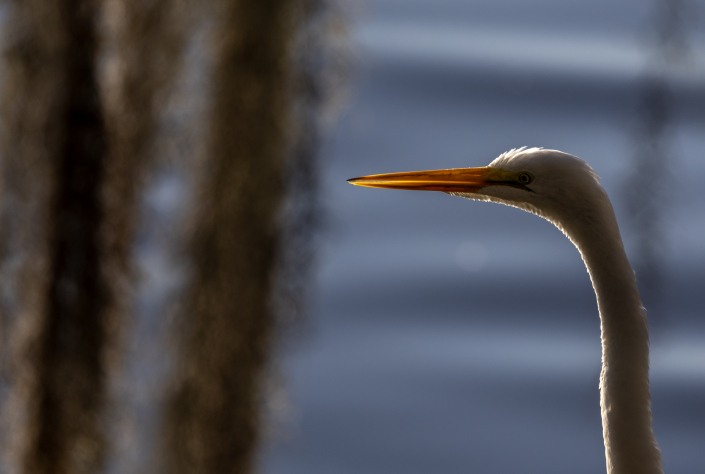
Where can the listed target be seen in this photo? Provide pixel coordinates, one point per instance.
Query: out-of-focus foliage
(96, 103)
(647, 189)
(55, 292)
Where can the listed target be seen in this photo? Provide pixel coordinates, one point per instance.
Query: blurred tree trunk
(52, 170)
(227, 318)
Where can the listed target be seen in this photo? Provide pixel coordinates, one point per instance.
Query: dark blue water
(452, 336)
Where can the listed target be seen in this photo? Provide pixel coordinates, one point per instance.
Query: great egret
(564, 190)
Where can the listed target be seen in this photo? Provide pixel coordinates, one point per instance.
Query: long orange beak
(467, 180)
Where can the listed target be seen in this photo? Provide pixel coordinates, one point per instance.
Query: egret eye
(525, 178)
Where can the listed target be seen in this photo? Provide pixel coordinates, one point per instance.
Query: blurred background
(189, 285)
(454, 336)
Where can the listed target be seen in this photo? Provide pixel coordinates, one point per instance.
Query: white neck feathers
(630, 445)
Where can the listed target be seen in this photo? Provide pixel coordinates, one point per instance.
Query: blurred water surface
(454, 336)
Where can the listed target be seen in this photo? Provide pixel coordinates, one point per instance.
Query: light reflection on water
(471, 256)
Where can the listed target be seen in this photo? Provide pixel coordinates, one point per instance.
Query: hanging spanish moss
(654, 157)
(143, 53)
(89, 125)
(54, 305)
(226, 318)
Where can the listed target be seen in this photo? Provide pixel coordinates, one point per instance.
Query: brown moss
(212, 414)
(54, 140)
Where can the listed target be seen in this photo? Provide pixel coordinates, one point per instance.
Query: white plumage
(564, 190)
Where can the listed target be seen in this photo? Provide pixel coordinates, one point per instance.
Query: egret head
(549, 183)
